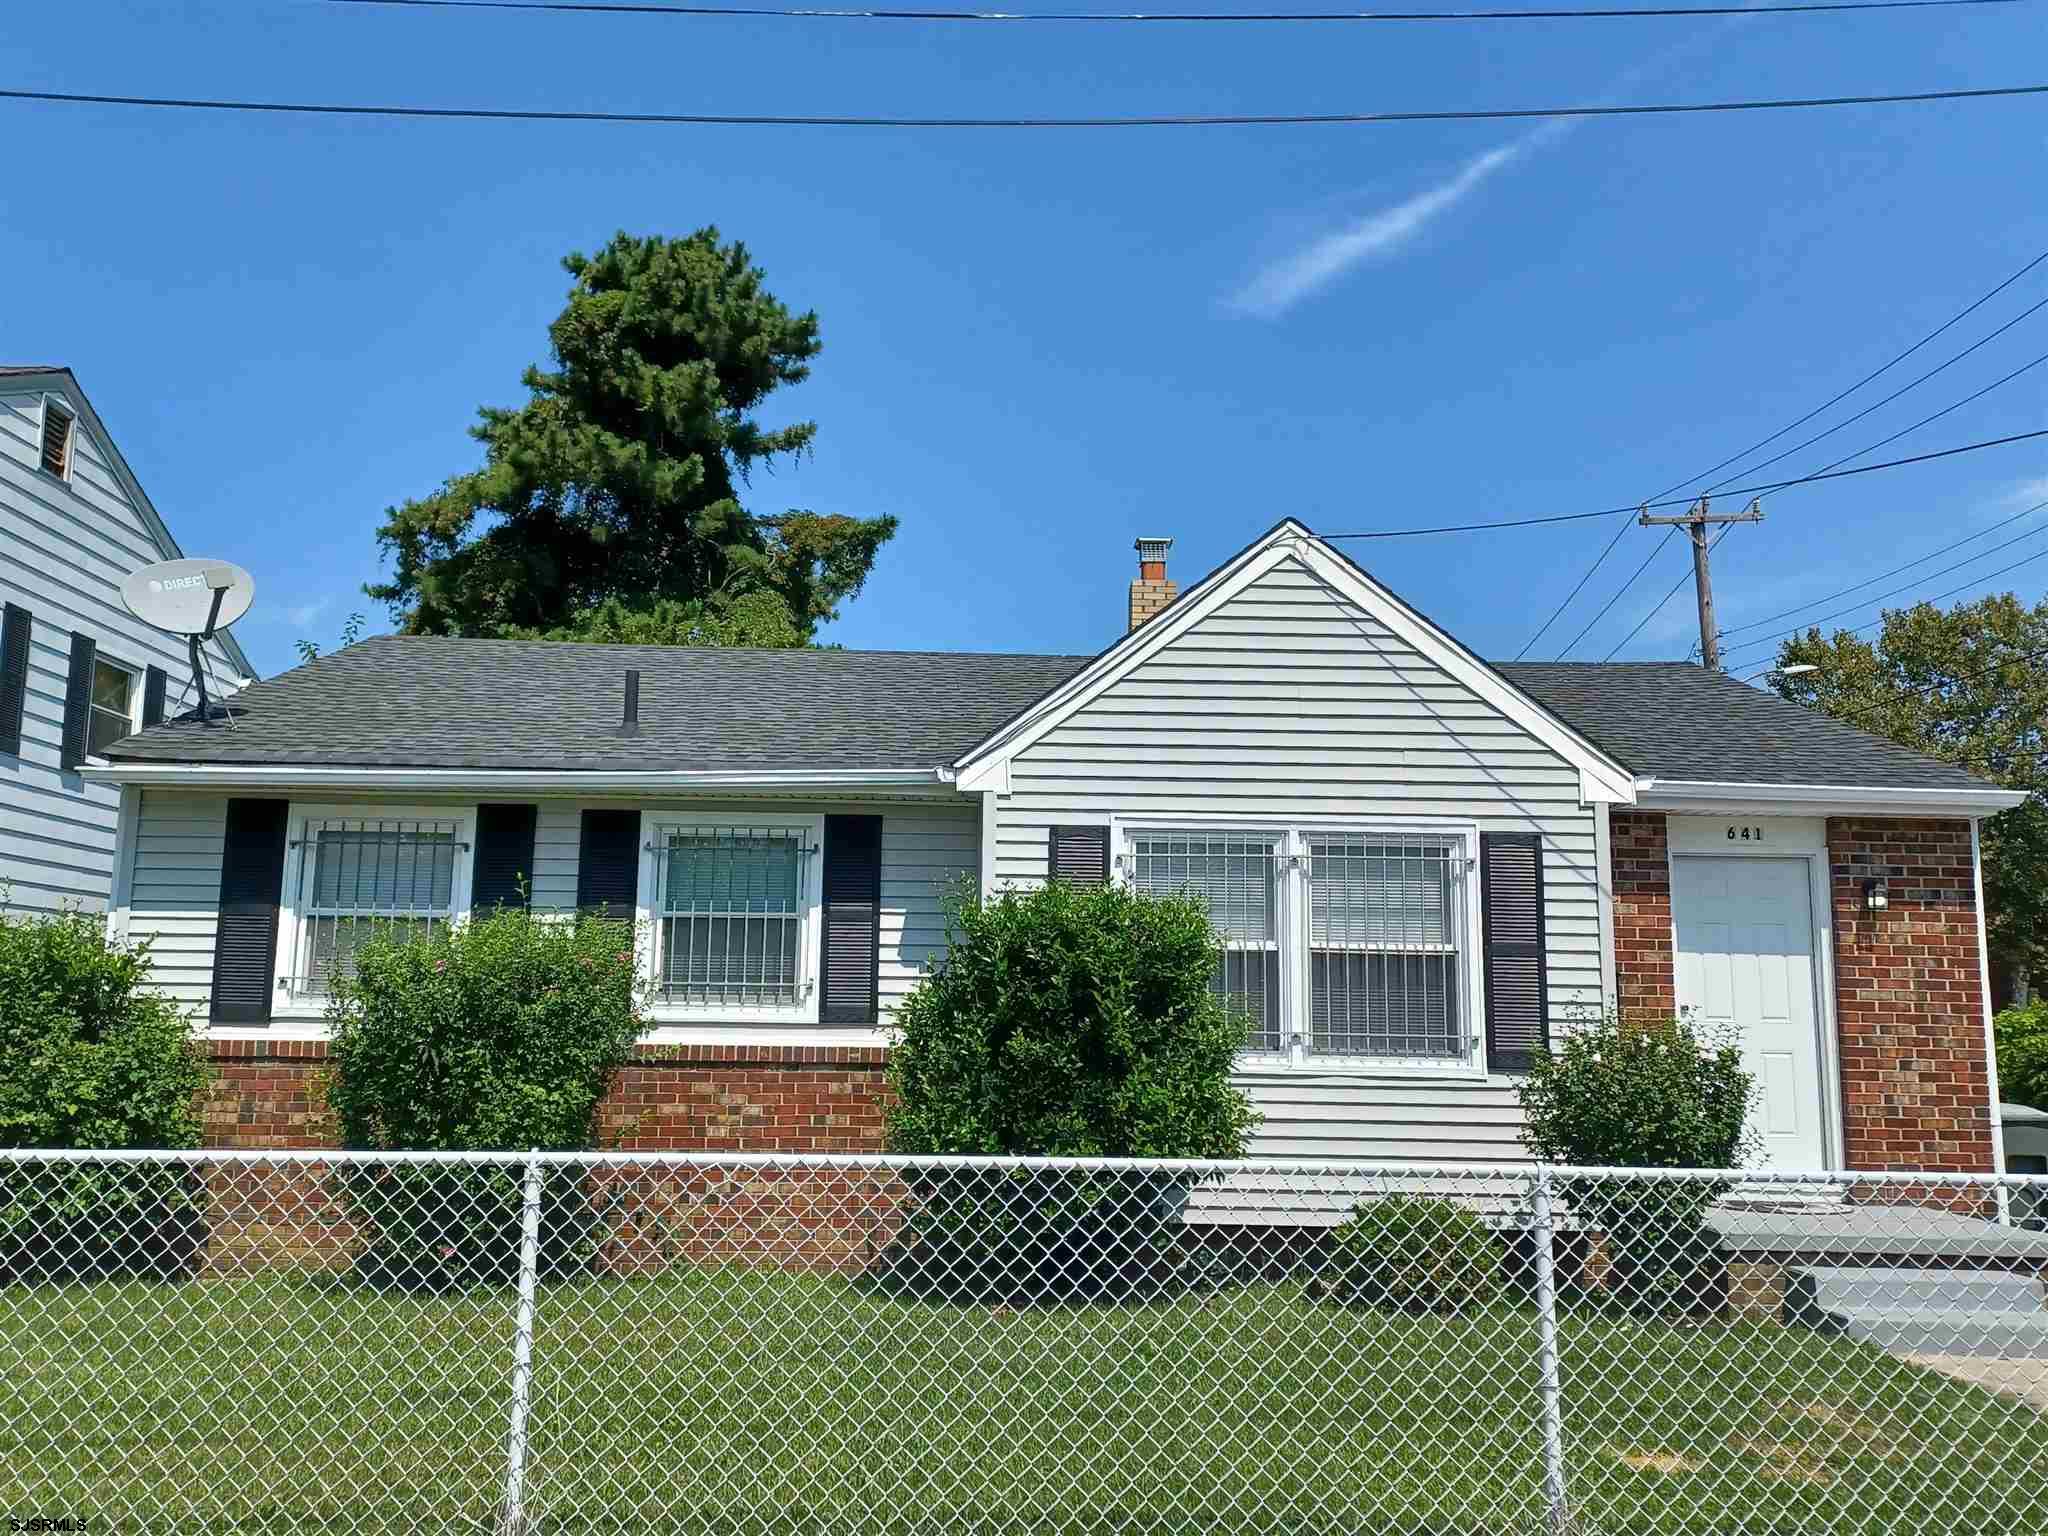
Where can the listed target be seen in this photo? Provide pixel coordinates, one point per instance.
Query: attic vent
(57, 425)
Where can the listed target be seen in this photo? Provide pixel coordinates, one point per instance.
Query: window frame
(663, 1011)
(292, 1003)
(70, 415)
(94, 709)
(1294, 915)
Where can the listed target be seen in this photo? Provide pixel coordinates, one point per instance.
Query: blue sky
(1039, 345)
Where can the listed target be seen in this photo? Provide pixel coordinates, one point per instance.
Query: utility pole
(1695, 523)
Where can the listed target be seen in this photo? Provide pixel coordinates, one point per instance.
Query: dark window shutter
(251, 881)
(608, 864)
(852, 940)
(14, 629)
(504, 856)
(1078, 855)
(1511, 902)
(155, 684)
(78, 700)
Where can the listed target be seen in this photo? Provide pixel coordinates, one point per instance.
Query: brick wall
(1644, 966)
(1909, 1001)
(724, 1098)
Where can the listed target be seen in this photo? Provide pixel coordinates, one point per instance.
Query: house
(1423, 867)
(77, 670)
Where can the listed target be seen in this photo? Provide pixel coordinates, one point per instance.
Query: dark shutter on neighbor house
(251, 881)
(78, 700)
(1511, 905)
(608, 864)
(503, 873)
(851, 946)
(14, 628)
(1078, 855)
(155, 684)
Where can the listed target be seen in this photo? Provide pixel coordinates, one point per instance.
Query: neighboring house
(77, 670)
(1424, 867)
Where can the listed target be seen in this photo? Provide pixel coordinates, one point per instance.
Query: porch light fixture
(1876, 896)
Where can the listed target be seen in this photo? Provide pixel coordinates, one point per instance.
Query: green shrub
(90, 1058)
(1411, 1254)
(499, 1034)
(2021, 1037)
(1069, 1021)
(1644, 1094)
(1075, 1021)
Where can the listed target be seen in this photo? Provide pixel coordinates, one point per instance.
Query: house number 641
(1745, 834)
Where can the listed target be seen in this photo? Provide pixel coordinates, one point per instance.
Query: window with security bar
(1237, 875)
(732, 904)
(1387, 947)
(358, 877)
(1339, 947)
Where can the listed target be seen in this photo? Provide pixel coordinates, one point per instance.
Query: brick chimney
(1151, 591)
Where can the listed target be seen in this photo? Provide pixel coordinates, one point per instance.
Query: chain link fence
(737, 1344)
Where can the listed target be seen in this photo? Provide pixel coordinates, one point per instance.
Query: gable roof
(63, 380)
(432, 702)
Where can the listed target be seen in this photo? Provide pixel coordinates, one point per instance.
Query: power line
(1880, 597)
(1683, 501)
(1974, 581)
(1934, 554)
(648, 8)
(1791, 426)
(1619, 592)
(1162, 120)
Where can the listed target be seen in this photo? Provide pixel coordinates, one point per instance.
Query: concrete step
(1922, 1311)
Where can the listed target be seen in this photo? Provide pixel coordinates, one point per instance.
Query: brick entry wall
(1644, 963)
(1909, 998)
(1909, 1003)
(725, 1098)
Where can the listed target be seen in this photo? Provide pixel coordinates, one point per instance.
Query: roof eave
(546, 781)
(1709, 796)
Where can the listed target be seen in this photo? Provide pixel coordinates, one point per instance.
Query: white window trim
(70, 414)
(1294, 834)
(647, 931)
(134, 702)
(288, 1004)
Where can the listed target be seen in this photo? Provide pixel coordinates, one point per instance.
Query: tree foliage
(2021, 1037)
(1968, 685)
(609, 504)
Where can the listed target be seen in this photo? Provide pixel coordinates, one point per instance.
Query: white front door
(1745, 958)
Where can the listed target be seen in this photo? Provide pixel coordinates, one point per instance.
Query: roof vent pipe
(631, 723)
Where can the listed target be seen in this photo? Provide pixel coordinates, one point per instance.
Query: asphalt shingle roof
(427, 702)
(1677, 720)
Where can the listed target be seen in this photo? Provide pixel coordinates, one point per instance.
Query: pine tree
(608, 506)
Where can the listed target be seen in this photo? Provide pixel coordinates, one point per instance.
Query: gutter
(1710, 796)
(538, 780)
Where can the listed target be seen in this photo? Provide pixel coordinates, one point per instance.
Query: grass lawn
(742, 1403)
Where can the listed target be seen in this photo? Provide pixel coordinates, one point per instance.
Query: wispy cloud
(2027, 493)
(1279, 286)
(302, 614)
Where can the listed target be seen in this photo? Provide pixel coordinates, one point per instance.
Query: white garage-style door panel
(1745, 959)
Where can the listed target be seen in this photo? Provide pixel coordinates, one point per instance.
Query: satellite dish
(189, 597)
(193, 598)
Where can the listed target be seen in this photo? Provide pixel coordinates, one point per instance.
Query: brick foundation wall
(1909, 999)
(1645, 974)
(717, 1098)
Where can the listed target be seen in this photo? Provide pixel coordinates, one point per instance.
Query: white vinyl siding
(68, 543)
(1291, 702)
(926, 849)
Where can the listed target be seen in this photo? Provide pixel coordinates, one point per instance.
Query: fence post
(1547, 1384)
(512, 1516)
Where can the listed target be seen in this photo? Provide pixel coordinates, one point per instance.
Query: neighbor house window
(1340, 947)
(735, 912)
(400, 875)
(58, 429)
(113, 694)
